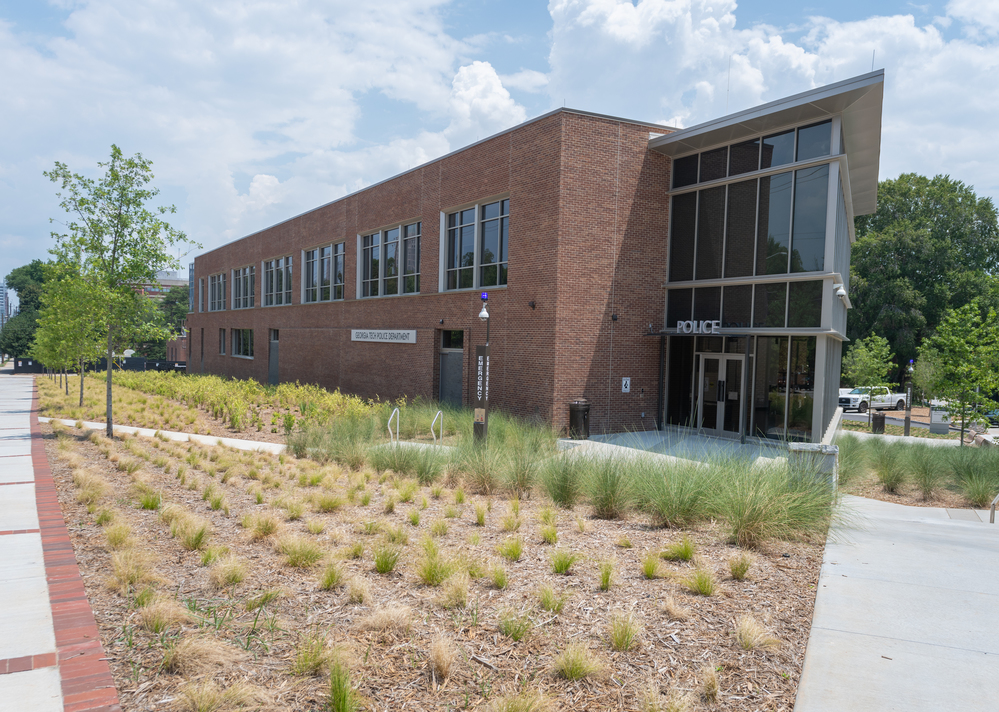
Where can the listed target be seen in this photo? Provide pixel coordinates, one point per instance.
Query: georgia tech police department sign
(698, 327)
(384, 336)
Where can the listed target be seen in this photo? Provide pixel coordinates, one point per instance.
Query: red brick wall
(587, 239)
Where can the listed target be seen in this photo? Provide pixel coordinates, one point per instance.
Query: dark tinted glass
(804, 306)
(773, 234)
(678, 303)
(801, 386)
(737, 307)
(771, 387)
(740, 229)
(452, 339)
(814, 141)
(811, 192)
(685, 171)
(707, 303)
(710, 233)
(768, 310)
(713, 164)
(777, 150)
(490, 211)
(680, 384)
(681, 240)
(744, 157)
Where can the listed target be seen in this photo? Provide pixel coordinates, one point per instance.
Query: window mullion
(477, 255)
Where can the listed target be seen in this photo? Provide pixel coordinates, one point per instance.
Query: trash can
(878, 423)
(579, 419)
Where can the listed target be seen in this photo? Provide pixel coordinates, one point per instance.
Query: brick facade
(587, 242)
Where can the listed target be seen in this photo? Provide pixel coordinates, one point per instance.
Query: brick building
(604, 244)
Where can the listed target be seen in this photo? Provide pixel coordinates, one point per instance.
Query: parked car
(878, 398)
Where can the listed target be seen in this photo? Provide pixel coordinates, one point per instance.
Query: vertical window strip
(411, 258)
(277, 281)
(338, 270)
(311, 276)
(370, 274)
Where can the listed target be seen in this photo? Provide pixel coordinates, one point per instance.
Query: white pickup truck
(878, 398)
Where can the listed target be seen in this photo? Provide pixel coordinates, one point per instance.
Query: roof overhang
(858, 101)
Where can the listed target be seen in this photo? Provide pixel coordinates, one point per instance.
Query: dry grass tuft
(358, 590)
(576, 663)
(524, 702)
(454, 591)
(119, 536)
(92, 487)
(749, 634)
(391, 619)
(163, 613)
(206, 696)
(260, 525)
(623, 631)
(229, 571)
(441, 659)
(129, 568)
(739, 565)
(709, 683)
(674, 610)
(299, 552)
(193, 656)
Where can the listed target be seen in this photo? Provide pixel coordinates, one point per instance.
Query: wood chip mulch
(390, 669)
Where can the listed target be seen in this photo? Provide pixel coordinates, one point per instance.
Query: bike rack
(394, 438)
(440, 414)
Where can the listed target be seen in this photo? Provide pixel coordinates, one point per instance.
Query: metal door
(720, 395)
(451, 366)
(272, 363)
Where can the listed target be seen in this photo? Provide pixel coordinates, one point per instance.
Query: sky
(253, 111)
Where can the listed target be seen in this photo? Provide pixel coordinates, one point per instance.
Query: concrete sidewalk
(51, 658)
(905, 614)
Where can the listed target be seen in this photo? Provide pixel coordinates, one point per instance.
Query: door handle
(720, 395)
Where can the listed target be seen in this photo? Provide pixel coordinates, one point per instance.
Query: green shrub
(561, 479)
(562, 561)
(888, 464)
(773, 502)
(610, 487)
(682, 550)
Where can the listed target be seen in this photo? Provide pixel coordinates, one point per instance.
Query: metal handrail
(992, 512)
(440, 414)
(394, 438)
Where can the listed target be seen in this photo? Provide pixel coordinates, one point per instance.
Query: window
(201, 295)
(277, 282)
(338, 253)
(242, 342)
(411, 258)
(451, 339)
(388, 267)
(243, 287)
(216, 292)
(476, 251)
(222, 342)
(318, 273)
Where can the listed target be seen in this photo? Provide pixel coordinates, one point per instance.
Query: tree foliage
(116, 241)
(932, 245)
(868, 362)
(963, 362)
(18, 334)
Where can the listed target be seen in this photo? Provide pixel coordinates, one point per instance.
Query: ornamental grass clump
(623, 631)
(562, 561)
(926, 466)
(700, 581)
(551, 601)
(562, 480)
(299, 552)
(771, 502)
(514, 625)
(675, 493)
(576, 663)
(386, 557)
(609, 486)
(888, 464)
(512, 548)
(739, 564)
(682, 550)
(433, 569)
(749, 634)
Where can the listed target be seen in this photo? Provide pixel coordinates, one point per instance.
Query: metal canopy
(858, 100)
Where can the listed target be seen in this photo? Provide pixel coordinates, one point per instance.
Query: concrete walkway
(905, 616)
(51, 658)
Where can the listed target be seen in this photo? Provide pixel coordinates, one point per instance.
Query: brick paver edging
(87, 685)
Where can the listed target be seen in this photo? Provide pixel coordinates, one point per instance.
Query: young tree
(117, 241)
(70, 325)
(964, 353)
(868, 363)
(18, 334)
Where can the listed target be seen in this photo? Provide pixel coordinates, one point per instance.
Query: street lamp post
(481, 412)
(908, 398)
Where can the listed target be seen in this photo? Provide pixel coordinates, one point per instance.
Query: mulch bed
(390, 669)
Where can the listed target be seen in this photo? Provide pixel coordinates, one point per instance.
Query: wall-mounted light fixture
(531, 305)
(613, 317)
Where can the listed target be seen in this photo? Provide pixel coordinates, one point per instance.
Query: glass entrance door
(720, 395)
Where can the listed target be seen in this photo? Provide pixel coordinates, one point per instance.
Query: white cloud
(526, 80)
(978, 15)
(479, 105)
(683, 62)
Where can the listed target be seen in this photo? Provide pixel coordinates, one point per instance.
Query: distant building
(165, 281)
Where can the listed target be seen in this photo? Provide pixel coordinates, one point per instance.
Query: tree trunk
(81, 383)
(65, 372)
(110, 429)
